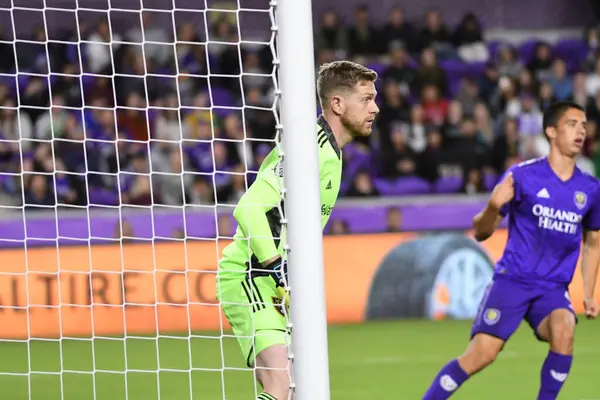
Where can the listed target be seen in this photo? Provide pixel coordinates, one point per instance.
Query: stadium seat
(448, 184)
(402, 186)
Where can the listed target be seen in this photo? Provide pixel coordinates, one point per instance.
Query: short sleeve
(592, 217)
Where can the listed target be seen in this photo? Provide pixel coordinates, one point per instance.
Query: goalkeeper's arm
(251, 217)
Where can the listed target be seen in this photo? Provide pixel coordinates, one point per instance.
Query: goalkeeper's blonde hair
(344, 75)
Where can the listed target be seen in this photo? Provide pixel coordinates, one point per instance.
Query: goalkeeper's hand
(278, 271)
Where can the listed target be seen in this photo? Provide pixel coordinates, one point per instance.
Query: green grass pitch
(372, 361)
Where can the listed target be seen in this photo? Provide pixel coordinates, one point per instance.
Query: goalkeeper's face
(360, 109)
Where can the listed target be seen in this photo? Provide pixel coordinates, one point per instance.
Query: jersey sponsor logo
(328, 187)
(580, 199)
(556, 219)
(326, 209)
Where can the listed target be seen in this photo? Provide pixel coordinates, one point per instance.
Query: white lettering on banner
(557, 220)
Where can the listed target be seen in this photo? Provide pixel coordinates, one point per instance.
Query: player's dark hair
(554, 112)
(341, 75)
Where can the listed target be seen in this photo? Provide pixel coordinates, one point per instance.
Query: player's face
(570, 132)
(360, 109)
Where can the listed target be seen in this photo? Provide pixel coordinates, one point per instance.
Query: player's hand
(278, 271)
(591, 308)
(503, 192)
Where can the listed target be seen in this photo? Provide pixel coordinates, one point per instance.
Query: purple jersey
(546, 219)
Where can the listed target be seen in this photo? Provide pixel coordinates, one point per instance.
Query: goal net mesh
(128, 131)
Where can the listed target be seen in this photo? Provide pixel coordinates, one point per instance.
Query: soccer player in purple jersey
(551, 205)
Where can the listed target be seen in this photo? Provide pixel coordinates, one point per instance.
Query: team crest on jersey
(491, 316)
(580, 200)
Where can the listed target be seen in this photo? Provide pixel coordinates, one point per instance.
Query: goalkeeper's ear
(336, 103)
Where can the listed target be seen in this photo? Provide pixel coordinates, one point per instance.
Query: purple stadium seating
(402, 186)
(103, 197)
(449, 184)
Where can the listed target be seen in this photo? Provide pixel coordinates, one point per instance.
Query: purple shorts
(507, 302)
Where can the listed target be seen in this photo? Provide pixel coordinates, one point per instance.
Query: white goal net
(128, 131)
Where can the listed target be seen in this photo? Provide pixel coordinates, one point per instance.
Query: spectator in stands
(393, 220)
(67, 85)
(331, 36)
(435, 35)
(579, 94)
(506, 102)
(133, 120)
(157, 51)
(484, 123)
(488, 83)
(546, 95)
(415, 132)
(38, 193)
(398, 31)
(473, 181)
(239, 150)
(15, 125)
(362, 37)
(468, 96)
(399, 72)
(174, 184)
(591, 36)
(338, 227)
(394, 109)
(508, 62)
(430, 160)
(31, 54)
(167, 133)
(202, 192)
(135, 182)
(451, 127)
(593, 108)
(362, 186)
(593, 79)
(187, 37)
(430, 72)
(99, 48)
(468, 38)
(435, 107)
(35, 98)
(530, 117)
(527, 83)
(562, 84)
(400, 159)
(541, 63)
(506, 148)
(52, 124)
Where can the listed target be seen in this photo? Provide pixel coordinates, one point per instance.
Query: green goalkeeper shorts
(253, 308)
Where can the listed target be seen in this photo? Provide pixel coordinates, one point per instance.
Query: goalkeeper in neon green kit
(251, 272)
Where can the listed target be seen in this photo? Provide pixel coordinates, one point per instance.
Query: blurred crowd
(132, 118)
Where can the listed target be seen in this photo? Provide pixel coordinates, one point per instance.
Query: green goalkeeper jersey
(259, 235)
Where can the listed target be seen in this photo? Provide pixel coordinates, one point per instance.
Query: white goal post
(124, 146)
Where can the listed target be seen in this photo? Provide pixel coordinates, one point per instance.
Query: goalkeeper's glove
(278, 271)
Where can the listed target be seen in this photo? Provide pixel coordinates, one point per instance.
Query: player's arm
(487, 221)
(251, 216)
(590, 262)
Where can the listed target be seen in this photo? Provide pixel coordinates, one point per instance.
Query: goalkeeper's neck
(340, 132)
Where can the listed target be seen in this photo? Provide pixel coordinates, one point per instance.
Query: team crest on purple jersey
(580, 200)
